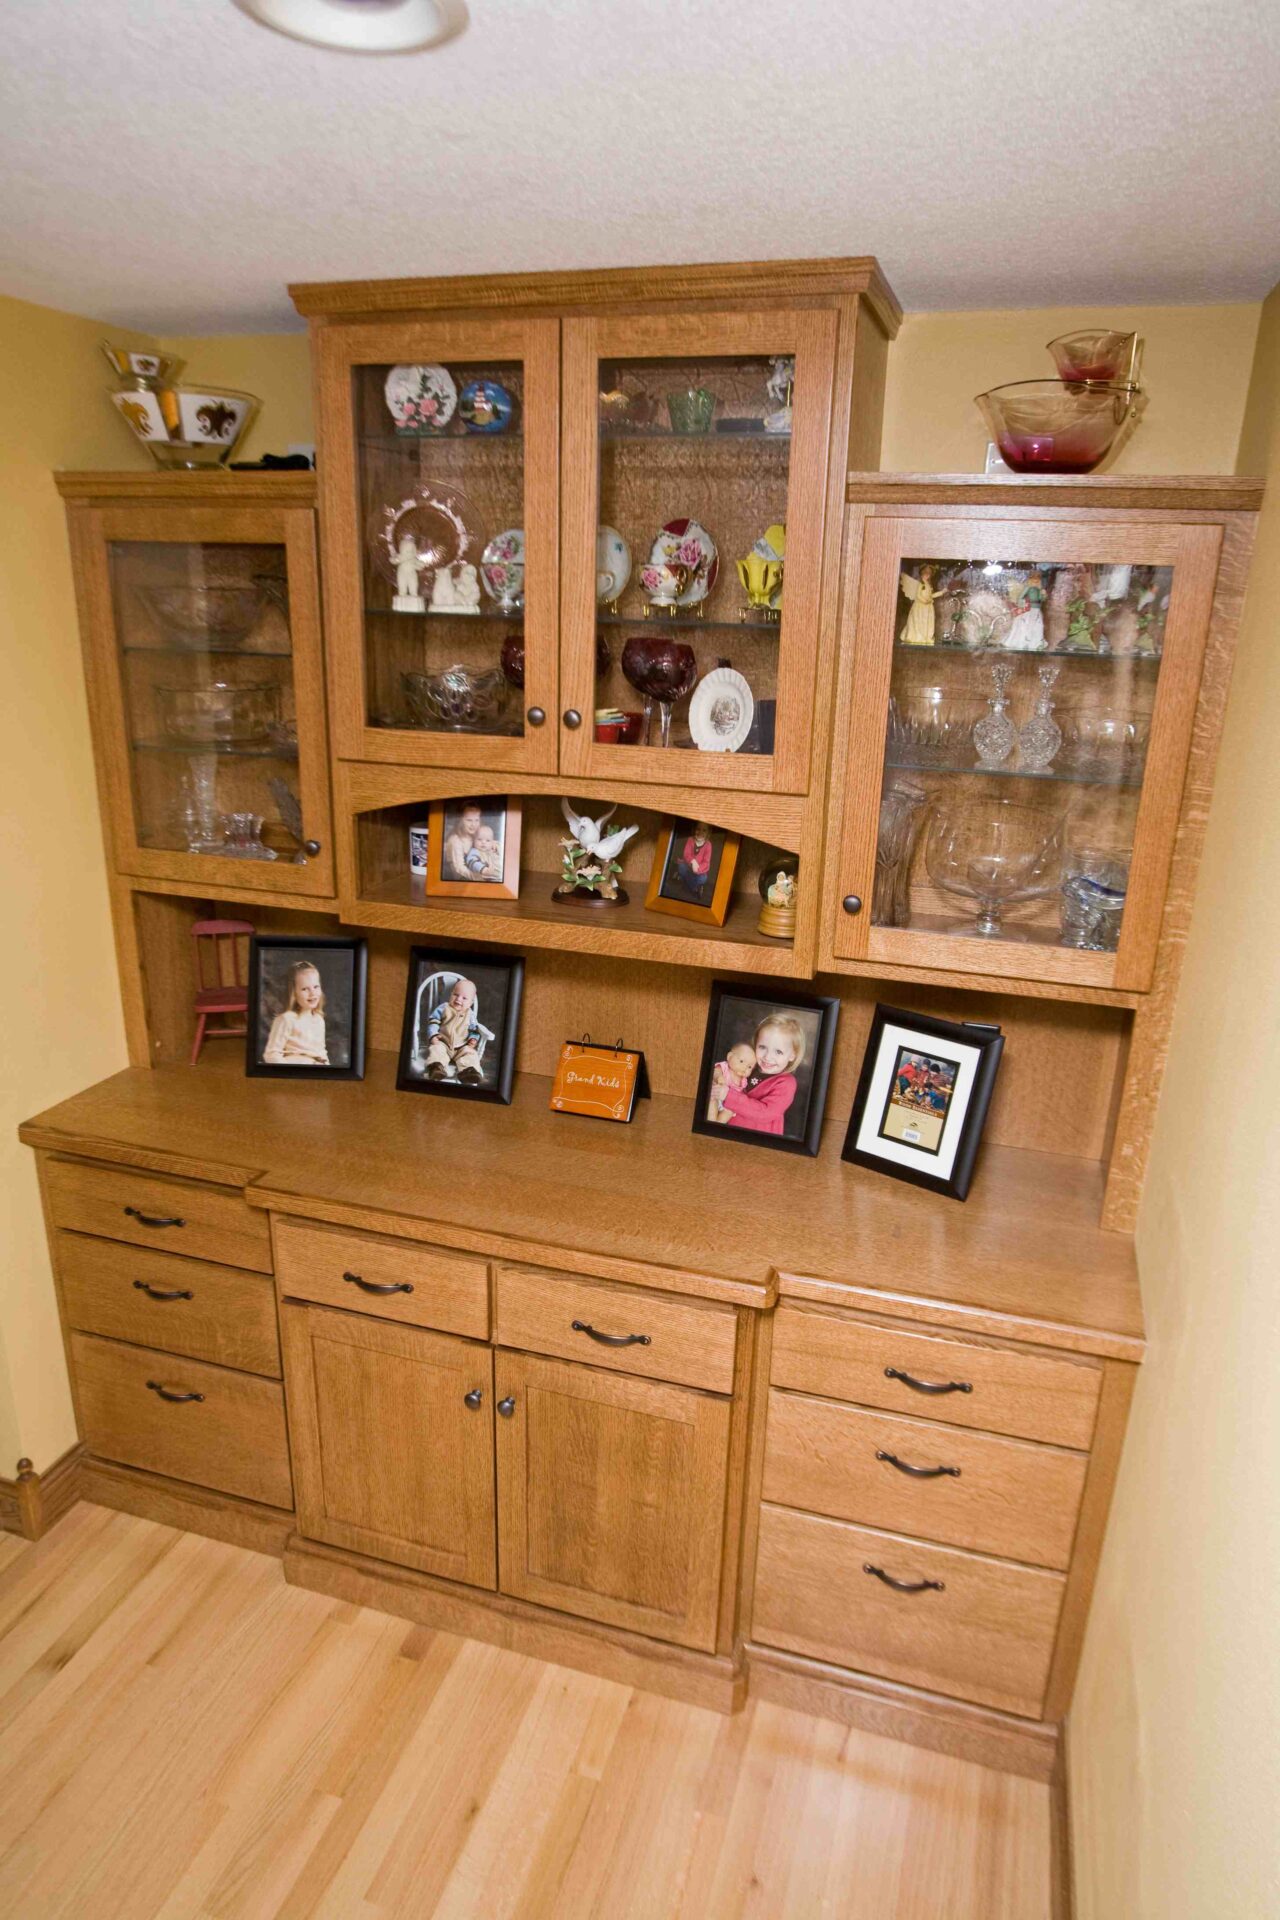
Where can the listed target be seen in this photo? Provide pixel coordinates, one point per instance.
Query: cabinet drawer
(1036, 1396)
(986, 1636)
(1003, 1496)
(391, 1279)
(158, 1300)
(232, 1437)
(178, 1216)
(626, 1328)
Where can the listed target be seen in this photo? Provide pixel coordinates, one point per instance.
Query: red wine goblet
(660, 669)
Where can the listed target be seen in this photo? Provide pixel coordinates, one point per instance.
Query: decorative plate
(485, 406)
(721, 709)
(502, 568)
(613, 563)
(688, 545)
(421, 399)
(440, 520)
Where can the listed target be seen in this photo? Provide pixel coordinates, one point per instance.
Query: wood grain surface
(140, 1295)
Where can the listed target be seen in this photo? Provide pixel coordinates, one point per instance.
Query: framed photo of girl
(306, 1008)
(766, 1061)
(693, 866)
(922, 1099)
(473, 849)
(461, 1018)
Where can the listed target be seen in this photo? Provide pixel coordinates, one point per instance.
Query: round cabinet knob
(311, 848)
(852, 903)
(572, 719)
(507, 1407)
(473, 1398)
(536, 716)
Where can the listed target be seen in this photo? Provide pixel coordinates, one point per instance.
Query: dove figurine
(591, 863)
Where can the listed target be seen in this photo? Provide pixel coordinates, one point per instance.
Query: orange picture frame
(668, 892)
(492, 848)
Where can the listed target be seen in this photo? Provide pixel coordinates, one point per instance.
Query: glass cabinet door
(695, 464)
(439, 523)
(1027, 692)
(217, 738)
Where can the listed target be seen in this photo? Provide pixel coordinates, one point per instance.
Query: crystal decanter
(995, 735)
(1041, 736)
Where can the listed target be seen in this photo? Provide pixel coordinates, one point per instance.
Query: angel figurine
(591, 866)
(409, 565)
(918, 628)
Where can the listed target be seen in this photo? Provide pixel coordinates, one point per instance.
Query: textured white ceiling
(169, 164)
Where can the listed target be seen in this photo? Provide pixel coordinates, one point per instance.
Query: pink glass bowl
(1050, 426)
(1095, 354)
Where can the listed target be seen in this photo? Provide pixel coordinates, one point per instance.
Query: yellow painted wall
(58, 982)
(1175, 1756)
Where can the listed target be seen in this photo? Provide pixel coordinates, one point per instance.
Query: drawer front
(232, 1437)
(627, 1328)
(974, 1490)
(390, 1279)
(158, 1300)
(986, 1636)
(1035, 1396)
(176, 1216)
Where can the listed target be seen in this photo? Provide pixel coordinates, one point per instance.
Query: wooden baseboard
(700, 1679)
(32, 1502)
(1062, 1879)
(220, 1516)
(981, 1734)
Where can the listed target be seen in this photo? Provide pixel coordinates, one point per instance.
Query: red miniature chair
(219, 940)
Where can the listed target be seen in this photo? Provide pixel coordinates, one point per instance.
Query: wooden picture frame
(499, 817)
(922, 1099)
(497, 978)
(670, 891)
(278, 1047)
(738, 1015)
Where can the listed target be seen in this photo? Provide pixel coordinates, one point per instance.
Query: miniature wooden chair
(226, 992)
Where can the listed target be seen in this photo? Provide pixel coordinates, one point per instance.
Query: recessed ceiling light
(362, 26)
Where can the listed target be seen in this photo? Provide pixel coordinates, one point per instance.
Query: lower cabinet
(391, 1430)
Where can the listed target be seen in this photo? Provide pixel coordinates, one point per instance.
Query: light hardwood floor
(182, 1734)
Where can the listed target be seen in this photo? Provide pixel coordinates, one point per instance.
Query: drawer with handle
(221, 1314)
(391, 1279)
(882, 1603)
(149, 1210)
(183, 1418)
(1001, 1389)
(976, 1490)
(658, 1335)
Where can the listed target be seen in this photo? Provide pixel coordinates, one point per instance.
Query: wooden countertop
(723, 1218)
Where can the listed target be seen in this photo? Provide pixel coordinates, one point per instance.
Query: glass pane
(441, 461)
(691, 552)
(207, 669)
(1019, 719)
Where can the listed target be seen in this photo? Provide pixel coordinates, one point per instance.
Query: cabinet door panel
(390, 1458)
(611, 1501)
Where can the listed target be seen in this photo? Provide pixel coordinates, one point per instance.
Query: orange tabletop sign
(601, 1082)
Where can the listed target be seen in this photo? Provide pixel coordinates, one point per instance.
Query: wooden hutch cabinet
(660, 1405)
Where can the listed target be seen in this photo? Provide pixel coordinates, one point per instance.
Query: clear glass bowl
(1102, 743)
(1095, 353)
(932, 726)
(458, 699)
(219, 715)
(194, 616)
(993, 855)
(1052, 426)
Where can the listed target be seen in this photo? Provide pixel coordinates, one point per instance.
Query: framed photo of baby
(693, 866)
(766, 1061)
(473, 849)
(306, 1008)
(922, 1098)
(461, 1018)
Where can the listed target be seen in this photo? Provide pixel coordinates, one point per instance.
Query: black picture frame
(269, 964)
(758, 998)
(493, 971)
(958, 1062)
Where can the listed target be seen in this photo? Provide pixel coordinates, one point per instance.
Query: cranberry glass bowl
(1053, 426)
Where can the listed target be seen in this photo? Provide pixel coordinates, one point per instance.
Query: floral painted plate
(422, 399)
(613, 563)
(485, 406)
(685, 546)
(721, 709)
(502, 569)
(440, 520)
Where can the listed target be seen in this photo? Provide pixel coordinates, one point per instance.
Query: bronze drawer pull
(611, 1339)
(507, 1407)
(152, 1219)
(904, 1586)
(379, 1286)
(917, 1473)
(160, 1293)
(927, 1386)
(473, 1398)
(155, 1387)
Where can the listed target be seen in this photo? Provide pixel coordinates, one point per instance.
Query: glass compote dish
(994, 854)
(659, 669)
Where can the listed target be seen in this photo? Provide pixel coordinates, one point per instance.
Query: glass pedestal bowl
(993, 855)
(1054, 426)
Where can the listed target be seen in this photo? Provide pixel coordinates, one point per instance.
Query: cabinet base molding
(175, 1503)
(698, 1679)
(31, 1502)
(980, 1734)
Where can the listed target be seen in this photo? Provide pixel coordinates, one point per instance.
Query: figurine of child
(1026, 635)
(735, 1070)
(761, 1105)
(918, 628)
(460, 842)
(297, 1037)
(484, 861)
(454, 1037)
(409, 565)
(693, 868)
(444, 599)
(466, 589)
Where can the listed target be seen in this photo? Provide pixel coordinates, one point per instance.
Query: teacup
(760, 579)
(664, 584)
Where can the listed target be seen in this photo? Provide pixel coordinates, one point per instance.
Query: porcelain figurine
(466, 589)
(918, 628)
(591, 865)
(409, 565)
(778, 887)
(1026, 635)
(779, 387)
(443, 597)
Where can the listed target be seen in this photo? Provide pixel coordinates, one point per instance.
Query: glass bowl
(459, 699)
(194, 616)
(993, 855)
(219, 715)
(1095, 353)
(1102, 743)
(1051, 426)
(932, 726)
